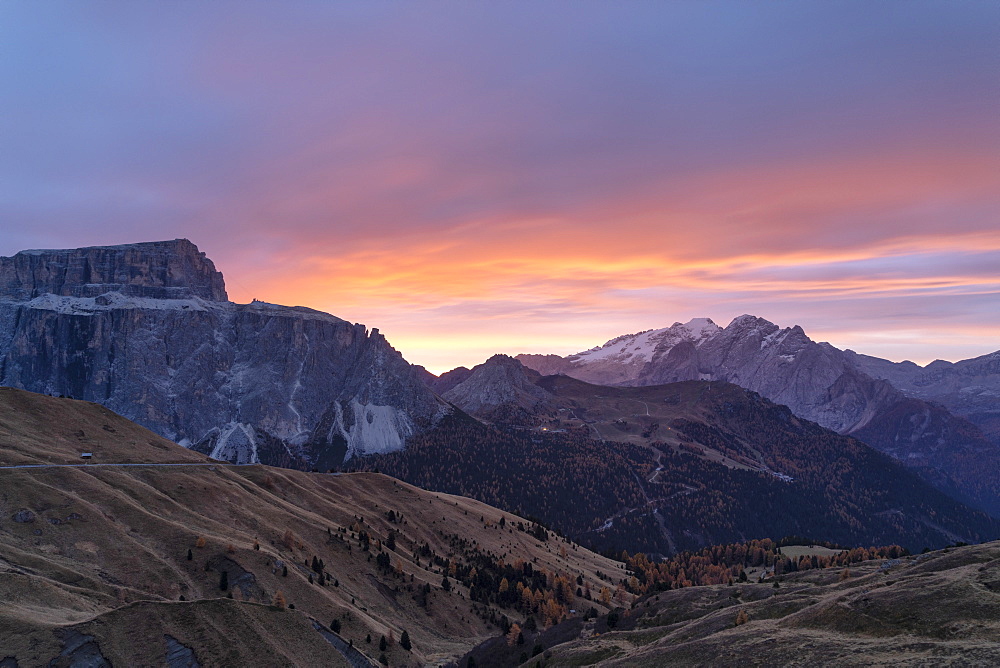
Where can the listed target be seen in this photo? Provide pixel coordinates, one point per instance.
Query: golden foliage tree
(512, 635)
(279, 600)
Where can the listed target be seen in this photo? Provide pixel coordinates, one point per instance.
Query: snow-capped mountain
(621, 360)
(146, 330)
(838, 389)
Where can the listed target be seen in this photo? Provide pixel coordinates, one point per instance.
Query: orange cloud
(773, 240)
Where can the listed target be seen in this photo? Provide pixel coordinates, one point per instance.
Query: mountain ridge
(820, 383)
(678, 466)
(158, 269)
(147, 330)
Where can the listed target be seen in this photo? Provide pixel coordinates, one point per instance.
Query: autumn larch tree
(513, 634)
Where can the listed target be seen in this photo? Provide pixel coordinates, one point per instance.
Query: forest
(789, 477)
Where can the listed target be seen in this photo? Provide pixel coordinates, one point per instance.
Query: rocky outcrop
(970, 388)
(158, 269)
(243, 382)
(178, 654)
(448, 379)
(499, 388)
(79, 651)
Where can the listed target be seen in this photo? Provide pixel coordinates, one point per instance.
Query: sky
(474, 177)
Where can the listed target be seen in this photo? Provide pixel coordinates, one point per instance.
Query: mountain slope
(500, 389)
(970, 388)
(146, 330)
(679, 466)
(939, 608)
(128, 555)
(817, 381)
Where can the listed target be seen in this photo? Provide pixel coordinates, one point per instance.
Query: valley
(722, 464)
(939, 608)
(376, 334)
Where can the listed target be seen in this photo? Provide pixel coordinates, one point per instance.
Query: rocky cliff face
(159, 269)
(814, 379)
(145, 329)
(838, 389)
(970, 388)
(501, 388)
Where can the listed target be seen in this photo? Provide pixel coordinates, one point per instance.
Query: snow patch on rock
(236, 443)
(374, 429)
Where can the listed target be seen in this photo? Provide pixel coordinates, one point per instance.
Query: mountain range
(664, 444)
(932, 419)
(671, 467)
(147, 330)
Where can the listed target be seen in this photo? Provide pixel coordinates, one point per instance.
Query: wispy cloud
(474, 177)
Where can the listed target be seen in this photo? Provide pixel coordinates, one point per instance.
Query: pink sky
(474, 178)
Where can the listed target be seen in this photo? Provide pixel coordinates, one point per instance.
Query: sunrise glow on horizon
(474, 178)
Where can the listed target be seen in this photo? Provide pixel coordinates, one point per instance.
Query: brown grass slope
(102, 551)
(942, 608)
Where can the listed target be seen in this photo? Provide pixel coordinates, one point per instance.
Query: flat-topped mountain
(145, 329)
(158, 269)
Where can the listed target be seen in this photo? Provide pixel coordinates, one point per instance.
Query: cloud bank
(530, 177)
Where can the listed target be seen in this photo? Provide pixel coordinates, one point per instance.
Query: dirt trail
(92, 465)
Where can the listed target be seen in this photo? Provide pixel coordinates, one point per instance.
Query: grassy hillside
(129, 555)
(940, 608)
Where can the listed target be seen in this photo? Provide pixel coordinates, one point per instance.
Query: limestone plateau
(147, 330)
